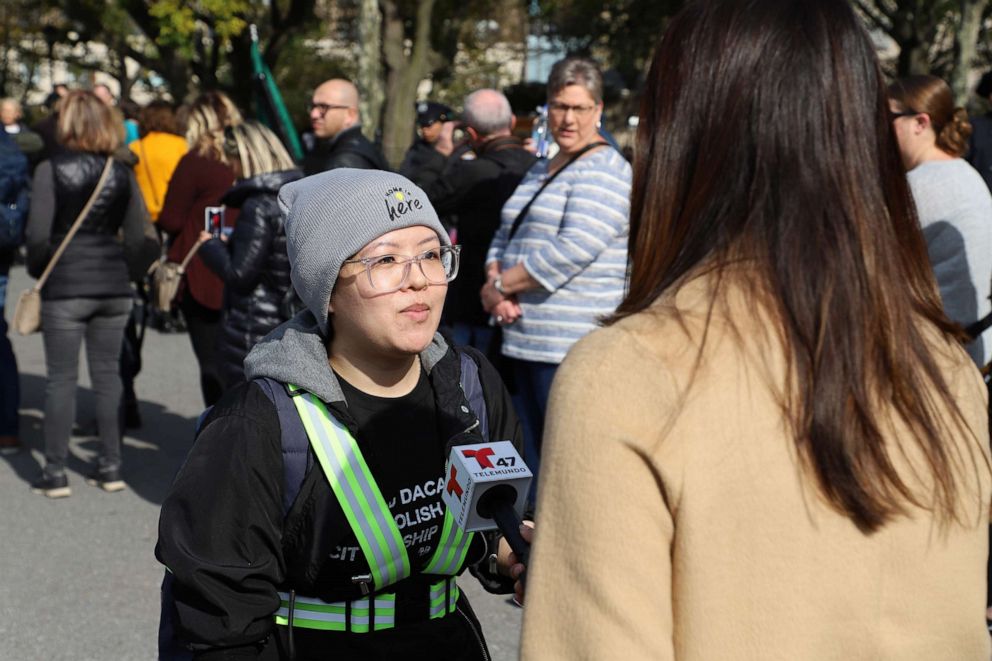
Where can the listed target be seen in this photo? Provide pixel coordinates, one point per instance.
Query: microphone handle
(509, 524)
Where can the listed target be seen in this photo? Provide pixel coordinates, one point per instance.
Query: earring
(599, 123)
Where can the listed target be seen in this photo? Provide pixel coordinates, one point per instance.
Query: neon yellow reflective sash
(373, 524)
(451, 548)
(356, 491)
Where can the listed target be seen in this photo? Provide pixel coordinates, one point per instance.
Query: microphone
(486, 487)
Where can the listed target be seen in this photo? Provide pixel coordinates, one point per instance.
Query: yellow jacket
(159, 153)
(683, 528)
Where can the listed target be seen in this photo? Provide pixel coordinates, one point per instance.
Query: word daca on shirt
(429, 489)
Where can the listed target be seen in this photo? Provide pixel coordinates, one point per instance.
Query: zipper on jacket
(476, 631)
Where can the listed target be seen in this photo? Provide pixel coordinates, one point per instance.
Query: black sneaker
(52, 486)
(108, 479)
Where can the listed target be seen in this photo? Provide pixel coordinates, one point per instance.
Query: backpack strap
(296, 457)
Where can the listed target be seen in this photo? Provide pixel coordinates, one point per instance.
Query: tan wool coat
(678, 524)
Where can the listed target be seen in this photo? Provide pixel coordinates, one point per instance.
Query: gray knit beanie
(332, 215)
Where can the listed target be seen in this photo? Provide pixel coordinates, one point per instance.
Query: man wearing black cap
(431, 119)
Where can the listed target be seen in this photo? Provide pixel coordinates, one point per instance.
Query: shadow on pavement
(151, 455)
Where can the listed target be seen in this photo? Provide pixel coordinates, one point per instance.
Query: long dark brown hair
(765, 136)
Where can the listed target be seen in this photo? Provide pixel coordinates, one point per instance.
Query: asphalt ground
(78, 578)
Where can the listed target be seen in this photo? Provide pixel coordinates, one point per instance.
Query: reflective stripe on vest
(356, 492)
(375, 528)
(444, 592)
(310, 613)
(451, 549)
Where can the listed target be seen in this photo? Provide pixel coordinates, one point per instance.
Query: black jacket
(416, 160)
(474, 191)
(258, 294)
(95, 264)
(222, 532)
(348, 149)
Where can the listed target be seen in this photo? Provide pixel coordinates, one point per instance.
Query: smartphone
(214, 222)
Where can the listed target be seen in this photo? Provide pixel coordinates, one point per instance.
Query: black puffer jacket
(348, 149)
(258, 295)
(96, 264)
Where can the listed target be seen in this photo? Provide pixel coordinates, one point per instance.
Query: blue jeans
(10, 389)
(531, 402)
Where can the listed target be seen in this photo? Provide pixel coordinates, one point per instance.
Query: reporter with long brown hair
(778, 448)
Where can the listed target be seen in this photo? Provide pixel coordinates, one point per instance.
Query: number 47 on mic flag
(473, 471)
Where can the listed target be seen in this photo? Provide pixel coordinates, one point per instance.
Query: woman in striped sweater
(558, 262)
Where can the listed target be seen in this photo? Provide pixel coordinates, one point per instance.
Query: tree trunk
(369, 81)
(966, 46)
(405, 74)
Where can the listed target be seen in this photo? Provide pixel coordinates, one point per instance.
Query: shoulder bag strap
(75, 225)
(523, 212)
(189, 255)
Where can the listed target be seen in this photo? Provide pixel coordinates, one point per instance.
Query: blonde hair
(257, 149)
(86, 123)
(208, 116)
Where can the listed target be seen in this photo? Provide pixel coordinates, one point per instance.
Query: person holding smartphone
(200, 180)
(251, 257)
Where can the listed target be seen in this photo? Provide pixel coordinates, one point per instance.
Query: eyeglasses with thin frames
(561, 109)
(322, 108)
(389, 273)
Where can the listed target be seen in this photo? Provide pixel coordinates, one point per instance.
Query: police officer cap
(429, 112)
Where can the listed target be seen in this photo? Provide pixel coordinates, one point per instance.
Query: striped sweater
(574, 243)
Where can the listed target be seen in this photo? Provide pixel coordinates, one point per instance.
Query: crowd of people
(744, 368)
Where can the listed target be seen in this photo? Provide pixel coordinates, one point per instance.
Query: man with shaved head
(338, 131)
(474, 191)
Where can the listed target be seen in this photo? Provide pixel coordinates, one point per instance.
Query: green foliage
(621, 34)
(179, 21)
(296, 82)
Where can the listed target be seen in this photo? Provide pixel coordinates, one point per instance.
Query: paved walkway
(78, 579)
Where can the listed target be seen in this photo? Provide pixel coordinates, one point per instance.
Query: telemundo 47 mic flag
(269, 106)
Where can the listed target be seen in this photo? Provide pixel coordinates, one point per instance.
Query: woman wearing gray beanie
(307, 521)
